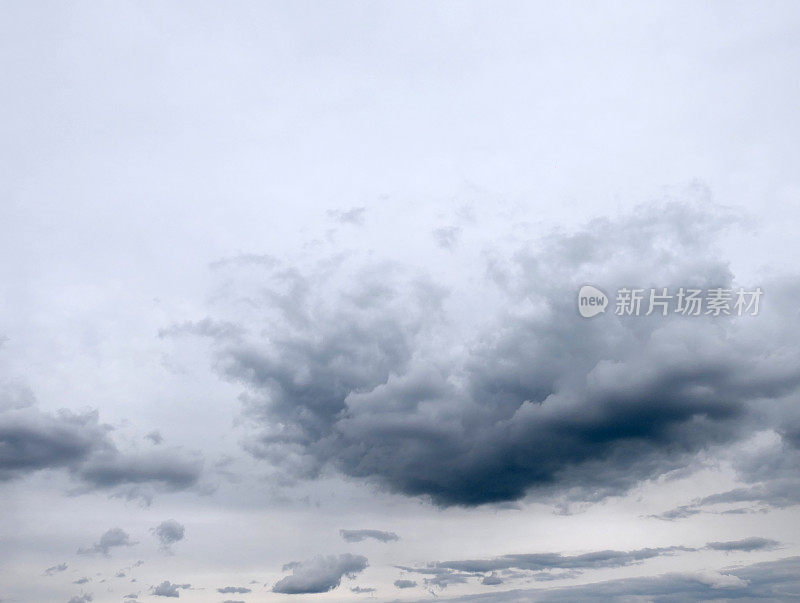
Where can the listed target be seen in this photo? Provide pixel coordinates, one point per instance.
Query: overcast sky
(288, 301)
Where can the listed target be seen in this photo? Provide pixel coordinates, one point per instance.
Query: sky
(289, 301)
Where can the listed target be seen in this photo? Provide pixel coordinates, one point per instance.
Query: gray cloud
(82, 580)
(169, 532)
(447, 237)
(168, 472)
(168, 589)
(359, 535)
(234, 589)
(354, 215)
(540, 402)
(155, 437)
(548, 561)
(680, 512)
(55, 569)
(204, 328)
(113, 538)
(32, 440)
(545, 566)
(362, 590)
(769, 475)
(745, 544)
(769, 581)
(439, 577)
(246, 259)
(320, 574)
(84, 598)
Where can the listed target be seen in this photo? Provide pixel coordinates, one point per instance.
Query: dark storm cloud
(320, 574)
(168, 533)
(168, 589)
(113, 538)
(769, 581)
(240, 590)
(359, 535)
(32, 440)
(359, 370)
(745, 544)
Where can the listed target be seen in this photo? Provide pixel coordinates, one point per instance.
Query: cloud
(548, 561)
(320, 574)
(362, 590)
(169, 532)
(364, 373)
(680, 512)
(82, 580)
(155, 437)
(170, 472)
(557, 566)
(405, 583)
(84, 598)
(350, 216)
(359, 535)
(55, 569)
(447, 237)
(204, 328)
(770, 581)
(168, 589)
(244, 260)
(767, 471)
(234, 589)
(745, 544)
(440, 577)
(32, 440)
(113, 538)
